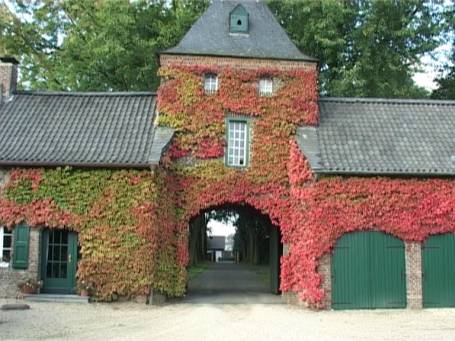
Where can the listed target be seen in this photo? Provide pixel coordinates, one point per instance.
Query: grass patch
(263, 273)
(196, 270)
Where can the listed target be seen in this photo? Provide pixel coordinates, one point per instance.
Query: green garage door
(368, 271)
(438, 266)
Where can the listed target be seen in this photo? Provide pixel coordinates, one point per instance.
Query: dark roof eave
(303, 59)
(383, 173)
(384, 100)
(86, 93)
(47, 164)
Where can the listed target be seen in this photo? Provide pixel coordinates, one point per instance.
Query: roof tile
(61, 128)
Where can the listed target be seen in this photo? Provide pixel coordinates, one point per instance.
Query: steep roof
(380, 136)
(266, 38)
(78, 129)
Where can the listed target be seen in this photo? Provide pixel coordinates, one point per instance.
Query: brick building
(398, 147)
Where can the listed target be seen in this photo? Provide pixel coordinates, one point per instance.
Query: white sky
(430, 67)
(221, 229)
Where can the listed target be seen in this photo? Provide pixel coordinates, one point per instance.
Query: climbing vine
(133, 225)
(123, 219)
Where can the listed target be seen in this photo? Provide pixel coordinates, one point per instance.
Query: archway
(234, 254)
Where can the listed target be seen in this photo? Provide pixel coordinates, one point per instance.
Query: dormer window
(239, 20)
(266, 87)
(210, 83)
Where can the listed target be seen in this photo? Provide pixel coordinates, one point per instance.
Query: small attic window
(239, 20)
(210, 83)
(266, 86)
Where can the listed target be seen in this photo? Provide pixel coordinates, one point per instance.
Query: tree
(446, 83)
(365, 48)
(94, 45)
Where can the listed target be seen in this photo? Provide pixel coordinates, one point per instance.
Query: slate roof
(77, 129)
(162, 137)
(266, 39)
(379, 136)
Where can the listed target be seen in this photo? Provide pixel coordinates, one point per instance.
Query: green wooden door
(276, 250)
(438, 271)
(368, 271)
(59, 261)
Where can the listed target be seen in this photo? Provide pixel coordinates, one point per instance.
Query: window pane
(63, 254)
(265, 86)
(49, 270)
(6, 256)
(7, 239)
(211, 83)
(63, 268)
(237, 143)
(55, 270)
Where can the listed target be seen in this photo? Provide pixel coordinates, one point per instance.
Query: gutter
(73, 164)
(382, 173)
(312, 60)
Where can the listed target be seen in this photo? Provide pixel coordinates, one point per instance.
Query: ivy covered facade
(235, 122)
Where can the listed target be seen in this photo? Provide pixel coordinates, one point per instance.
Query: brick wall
(8, 79)
(413, 275)
(244, 63)
(325, 270)
(9, 277)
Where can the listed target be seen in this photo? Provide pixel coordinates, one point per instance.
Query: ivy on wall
(199, 119)
(123, 219)
(410, 209)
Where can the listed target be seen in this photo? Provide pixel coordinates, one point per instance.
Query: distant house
(215, 247)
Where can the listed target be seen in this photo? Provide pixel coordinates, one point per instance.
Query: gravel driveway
(128, 321)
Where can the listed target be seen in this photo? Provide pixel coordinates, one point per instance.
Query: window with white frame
(266, 87)
(6, 242)
(237, 144)
(210, 83)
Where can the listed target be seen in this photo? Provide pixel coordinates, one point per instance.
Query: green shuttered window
(21, 246)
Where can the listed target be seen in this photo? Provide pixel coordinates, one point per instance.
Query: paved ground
(126, 321)
(229, 283)
(206, 318)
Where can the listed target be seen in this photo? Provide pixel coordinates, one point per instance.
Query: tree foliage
(446, 83)
(94, 45)
(365, 48)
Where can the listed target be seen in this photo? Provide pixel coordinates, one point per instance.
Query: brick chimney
(8, 77)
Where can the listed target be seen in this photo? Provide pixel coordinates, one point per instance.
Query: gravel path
(128, 321)
(229, 283)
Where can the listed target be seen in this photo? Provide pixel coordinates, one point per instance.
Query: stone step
(56, 298)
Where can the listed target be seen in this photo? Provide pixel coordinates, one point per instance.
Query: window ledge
(4, 265)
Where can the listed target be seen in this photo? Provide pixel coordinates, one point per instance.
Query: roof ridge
(86, 93)
(386, 100)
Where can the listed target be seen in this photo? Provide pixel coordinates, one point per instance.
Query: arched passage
(243, 262)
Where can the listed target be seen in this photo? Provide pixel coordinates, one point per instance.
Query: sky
(430, 67)
(221, 229)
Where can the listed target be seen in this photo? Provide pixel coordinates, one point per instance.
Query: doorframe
(72, 270)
